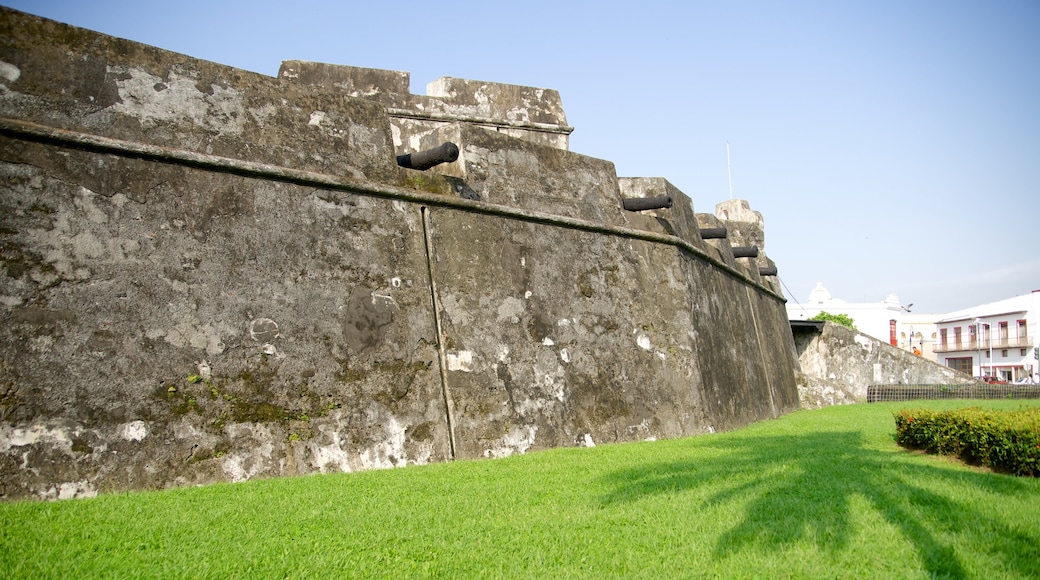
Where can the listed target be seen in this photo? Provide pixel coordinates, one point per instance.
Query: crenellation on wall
(529, 113)
(389, 87)
(738, 210)
(722, 246)
(679, 220)
(746, 227)
(517, 173)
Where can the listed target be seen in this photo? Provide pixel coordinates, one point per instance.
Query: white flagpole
(729, 171)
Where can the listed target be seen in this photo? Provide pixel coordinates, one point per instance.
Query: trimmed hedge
(1005, 441)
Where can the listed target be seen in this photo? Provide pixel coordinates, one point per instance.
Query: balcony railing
(985, 344)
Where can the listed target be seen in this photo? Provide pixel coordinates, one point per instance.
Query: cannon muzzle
(713, 233)
(422, 160)
(645, 203)
(745, 251)
(767, 271)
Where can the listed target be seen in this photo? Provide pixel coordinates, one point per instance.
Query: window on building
(942, 338)
(957, 336)
(962, 364)
(1003, 353)
(1002, 329)
(973, 341)
(1023, 351)
(1023, 335)
(985, 336)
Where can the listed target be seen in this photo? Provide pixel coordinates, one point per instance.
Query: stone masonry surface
(209, 275)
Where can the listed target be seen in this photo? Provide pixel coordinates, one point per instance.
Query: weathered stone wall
(838, 364)
(210, 275)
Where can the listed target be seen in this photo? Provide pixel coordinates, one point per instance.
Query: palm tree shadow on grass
(801, 488)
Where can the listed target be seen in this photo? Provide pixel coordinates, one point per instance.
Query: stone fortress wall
(838, 364)
(214, 275)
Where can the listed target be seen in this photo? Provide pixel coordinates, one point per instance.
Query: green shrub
(842, 319)
(1007, 441)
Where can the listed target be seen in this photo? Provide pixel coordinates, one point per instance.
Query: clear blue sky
(893, 146)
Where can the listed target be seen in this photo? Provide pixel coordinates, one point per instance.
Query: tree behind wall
(842, 319)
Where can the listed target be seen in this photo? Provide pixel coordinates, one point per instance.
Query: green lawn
(815, 494)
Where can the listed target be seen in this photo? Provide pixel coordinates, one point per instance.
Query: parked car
(1024, 381)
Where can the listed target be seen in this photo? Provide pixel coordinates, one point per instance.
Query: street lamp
(989, 341)
(978, 343)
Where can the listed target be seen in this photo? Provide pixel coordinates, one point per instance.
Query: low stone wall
(838, 365)
(212, 275)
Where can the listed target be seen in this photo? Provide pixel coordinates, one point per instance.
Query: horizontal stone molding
(30, 131)
(450, 118)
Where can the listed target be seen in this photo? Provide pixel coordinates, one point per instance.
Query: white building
(989, 340)
(992, 340)
(888, 320)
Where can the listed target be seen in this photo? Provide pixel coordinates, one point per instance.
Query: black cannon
(767, 271)
(713, 233)
(645, 203)
(745, 251)
(422, 160)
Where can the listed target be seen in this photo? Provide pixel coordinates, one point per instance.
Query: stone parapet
(746, 228)
(529, 113)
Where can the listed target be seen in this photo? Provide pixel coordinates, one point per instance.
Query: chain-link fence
(884, 393)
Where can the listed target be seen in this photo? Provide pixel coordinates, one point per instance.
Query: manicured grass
(815, 494)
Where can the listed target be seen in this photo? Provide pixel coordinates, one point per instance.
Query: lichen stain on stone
(460, 361)
(191, 333)
(9, 72)
(431, 183)
(18, 261)
(516, 440)
(510, 310)
(422, 431)
(218, 108)
(263, 330)
(251, 396)
(366, 318)
(33, 434)
(540, 328)
(134, 431)
(387, 449)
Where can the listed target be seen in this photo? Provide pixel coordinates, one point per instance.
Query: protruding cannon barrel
(767, 271)
(644, 203)
(422, 160)
(713, 233)
(745, 251)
